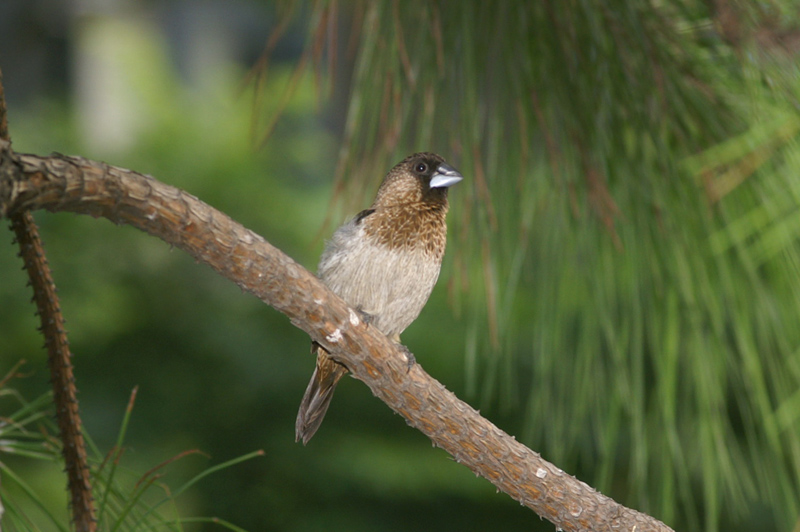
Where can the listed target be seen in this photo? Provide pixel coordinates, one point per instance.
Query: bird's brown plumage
(384, 262)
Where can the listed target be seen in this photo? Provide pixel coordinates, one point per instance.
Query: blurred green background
(620, 289)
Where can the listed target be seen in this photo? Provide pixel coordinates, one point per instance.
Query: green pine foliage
(625, 246)
(124, 498)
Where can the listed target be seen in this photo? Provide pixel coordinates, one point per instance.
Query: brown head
(421, 178)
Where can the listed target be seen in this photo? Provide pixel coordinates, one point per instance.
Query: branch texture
(61, 183)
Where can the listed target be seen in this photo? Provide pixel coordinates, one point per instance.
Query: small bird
(384, 262)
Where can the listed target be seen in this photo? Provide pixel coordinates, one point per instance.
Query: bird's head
(419, 178)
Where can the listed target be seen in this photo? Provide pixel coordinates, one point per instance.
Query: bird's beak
(445, 176)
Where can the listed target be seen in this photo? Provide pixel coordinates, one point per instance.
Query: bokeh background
(620, 289)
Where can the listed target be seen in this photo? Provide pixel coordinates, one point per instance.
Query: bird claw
(365, 316)
(410, 359)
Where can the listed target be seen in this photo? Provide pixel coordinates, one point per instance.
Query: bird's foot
(365, 316)
(410, 359)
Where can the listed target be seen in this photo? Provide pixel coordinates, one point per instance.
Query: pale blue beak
(445, 176)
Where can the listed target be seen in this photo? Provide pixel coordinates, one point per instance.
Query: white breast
(389, 284)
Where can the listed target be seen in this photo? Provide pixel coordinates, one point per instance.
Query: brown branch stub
(3, 111)
(60, 183)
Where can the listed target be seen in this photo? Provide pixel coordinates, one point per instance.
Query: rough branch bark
(61, 183)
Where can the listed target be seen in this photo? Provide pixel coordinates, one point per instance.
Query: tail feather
(318, 395)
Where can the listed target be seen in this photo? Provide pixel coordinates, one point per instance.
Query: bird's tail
(318, 395)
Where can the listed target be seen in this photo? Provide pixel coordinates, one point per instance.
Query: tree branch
(62, 378)
(61, 183)
(59, 356)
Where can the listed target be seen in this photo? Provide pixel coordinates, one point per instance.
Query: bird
(384, 262)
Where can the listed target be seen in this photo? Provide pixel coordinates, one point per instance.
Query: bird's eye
(421, 168)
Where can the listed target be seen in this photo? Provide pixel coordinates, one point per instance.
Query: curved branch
(61, 183)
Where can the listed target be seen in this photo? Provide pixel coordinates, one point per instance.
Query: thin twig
(58, 356)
